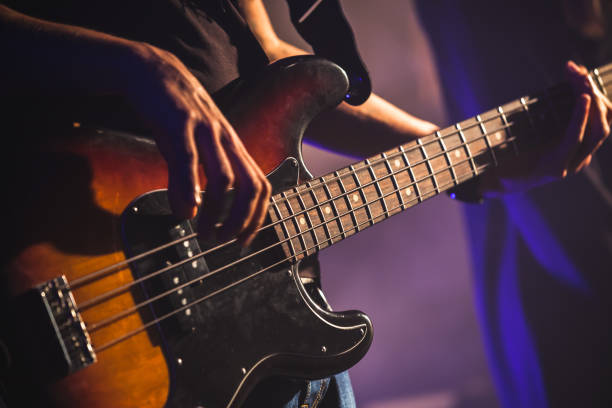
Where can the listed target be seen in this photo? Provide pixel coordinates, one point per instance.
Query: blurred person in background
(542, 259)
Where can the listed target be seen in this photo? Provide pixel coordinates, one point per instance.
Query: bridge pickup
(192, 267)
(55, 342)
(175, 270)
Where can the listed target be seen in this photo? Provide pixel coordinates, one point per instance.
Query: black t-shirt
(209, 37)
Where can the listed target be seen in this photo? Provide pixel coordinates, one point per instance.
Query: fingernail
(197, 193)
(572, 65)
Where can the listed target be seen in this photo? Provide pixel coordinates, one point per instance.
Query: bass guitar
(110, 301)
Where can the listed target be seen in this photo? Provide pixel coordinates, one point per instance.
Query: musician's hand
(189, 129)
(588, 128)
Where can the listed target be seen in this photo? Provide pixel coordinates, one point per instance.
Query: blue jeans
(332, 392)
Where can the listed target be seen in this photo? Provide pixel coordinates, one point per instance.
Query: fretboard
(325, 210)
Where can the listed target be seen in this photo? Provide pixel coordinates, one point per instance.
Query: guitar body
(93, 198)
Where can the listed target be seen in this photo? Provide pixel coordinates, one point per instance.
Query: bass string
(78, 282)
(607, 70)
(238, 282)
(112, 268)
(126, 312)
(123, 288)
(284, 260)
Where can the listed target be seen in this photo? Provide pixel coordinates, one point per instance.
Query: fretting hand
(588, 128)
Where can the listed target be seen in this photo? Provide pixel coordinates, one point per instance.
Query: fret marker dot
(355, 197)
(408, 191)
(327, 210)
(457, 153)
(498, 135)
(302, 221)
(397, 163)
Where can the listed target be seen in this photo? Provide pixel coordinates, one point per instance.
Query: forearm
(47, 57)
(370, 128)
(361, 130)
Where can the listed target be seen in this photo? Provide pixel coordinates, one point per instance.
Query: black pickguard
(265, 326)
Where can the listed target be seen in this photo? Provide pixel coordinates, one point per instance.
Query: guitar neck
(326, 210)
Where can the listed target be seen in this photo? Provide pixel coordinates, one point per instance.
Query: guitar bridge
(69, 327)
(54, 339)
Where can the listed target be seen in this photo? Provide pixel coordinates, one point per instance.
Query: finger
(585, 163)
(183, 181)
(261, 210)
(219, 174)
(598, 131)
(574, 135)
(251, 227)
(573, 67)
(599, 127)
(249, 187)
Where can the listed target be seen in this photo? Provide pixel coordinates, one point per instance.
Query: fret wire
(414, 181)
(605, 76)
(283, 226)
(475, 170)
(600, 81)
(377, 186)
(347, 199)
(393, 178)
(333, 205)
(336, 177)
(417, 189)
(530, 102)
(446, 168)
(486, 137)
(300, 234)
(294, 218)
(528, 111)
(467, 148)
(448, 159)
(508, 133)
(429, 165)
(360, 190)
(306, 215)
(607, 69)
(481, 168)
(315, 199)
(156, 321)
